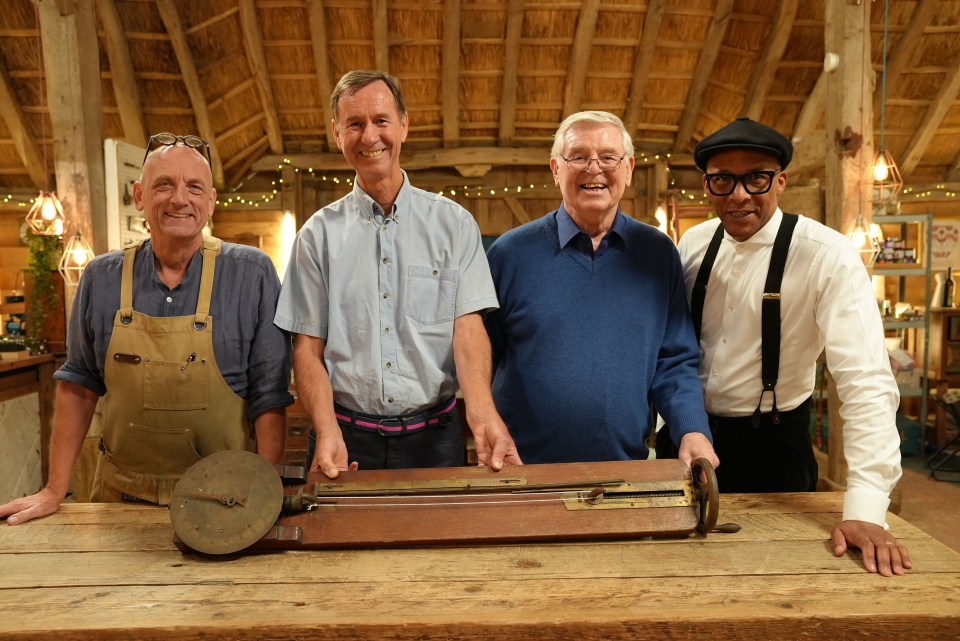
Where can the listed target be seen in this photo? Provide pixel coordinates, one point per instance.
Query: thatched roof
(254, 76)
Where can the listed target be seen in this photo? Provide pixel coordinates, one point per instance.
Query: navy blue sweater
(582, 347)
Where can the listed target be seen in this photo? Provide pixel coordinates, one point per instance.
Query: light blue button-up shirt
(383, 291)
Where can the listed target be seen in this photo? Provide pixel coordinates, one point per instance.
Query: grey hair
(353, 81)
(594, 117)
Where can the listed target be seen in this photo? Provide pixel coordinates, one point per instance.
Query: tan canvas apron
(167, 405)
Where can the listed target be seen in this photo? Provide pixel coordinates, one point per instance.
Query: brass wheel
(708, 494)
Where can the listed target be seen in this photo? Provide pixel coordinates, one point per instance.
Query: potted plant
(44, 256)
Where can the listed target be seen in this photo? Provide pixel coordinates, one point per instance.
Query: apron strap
(126, 282)
(211, 249)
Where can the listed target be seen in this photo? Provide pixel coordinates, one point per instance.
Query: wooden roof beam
(191, 79)
(812, 109)
(381, 36)
(643, 63)
(900, 58)
(580, 57)
(931, 120)
(511, 56)
(244, 160)
(766, 68)
(708, 58)
(318, 31)
(253, 43)
(30, 153)
(425, 159)
(126, 91)
(450, 80)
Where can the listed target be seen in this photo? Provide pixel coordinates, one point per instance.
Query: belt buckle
(400, 419)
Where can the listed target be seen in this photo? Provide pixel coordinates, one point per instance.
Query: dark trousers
(766, 458)
(433, 446)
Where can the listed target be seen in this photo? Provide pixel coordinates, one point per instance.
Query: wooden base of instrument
(470, 505)
(494, 514)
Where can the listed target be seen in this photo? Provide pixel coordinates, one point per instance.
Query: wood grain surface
(95, 571)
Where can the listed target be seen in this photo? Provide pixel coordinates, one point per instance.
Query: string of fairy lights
(939, 191)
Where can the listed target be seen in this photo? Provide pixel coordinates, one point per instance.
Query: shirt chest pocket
(431, 294)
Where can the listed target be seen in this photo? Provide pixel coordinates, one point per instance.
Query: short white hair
(593, 117)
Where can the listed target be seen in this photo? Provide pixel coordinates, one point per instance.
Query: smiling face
(369, 131)
(176, 195)
(743, 214)
(591, 195)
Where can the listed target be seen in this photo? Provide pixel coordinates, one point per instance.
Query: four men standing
(586, 311)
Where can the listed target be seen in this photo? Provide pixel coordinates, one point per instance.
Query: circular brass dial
(226, 501)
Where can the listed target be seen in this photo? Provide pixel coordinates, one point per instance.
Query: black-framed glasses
(754, 182)
(167, 139)
(606, 162)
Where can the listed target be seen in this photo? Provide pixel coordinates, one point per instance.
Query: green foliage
(44, 256)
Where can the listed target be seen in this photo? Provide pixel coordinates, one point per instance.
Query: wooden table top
(101, 572)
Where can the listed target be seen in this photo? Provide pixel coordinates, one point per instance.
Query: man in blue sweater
(593, 324)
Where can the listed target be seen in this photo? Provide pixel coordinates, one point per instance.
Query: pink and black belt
(436, 416)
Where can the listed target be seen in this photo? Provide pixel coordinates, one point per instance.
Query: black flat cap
(744, 133)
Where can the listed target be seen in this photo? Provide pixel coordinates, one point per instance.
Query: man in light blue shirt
(385, 293)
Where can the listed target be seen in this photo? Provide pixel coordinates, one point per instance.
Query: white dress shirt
(827, 302)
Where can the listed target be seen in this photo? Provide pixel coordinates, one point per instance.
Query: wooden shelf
(13, 308)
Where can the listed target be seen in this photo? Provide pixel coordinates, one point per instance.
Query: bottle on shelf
(948, 289)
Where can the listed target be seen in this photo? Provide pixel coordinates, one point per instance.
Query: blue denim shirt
(252, 353)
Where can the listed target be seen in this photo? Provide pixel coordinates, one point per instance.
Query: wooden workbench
(97, 572)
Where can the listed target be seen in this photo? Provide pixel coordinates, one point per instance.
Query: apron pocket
(154, 451)
(174, 386)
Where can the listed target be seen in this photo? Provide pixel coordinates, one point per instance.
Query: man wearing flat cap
(769, 291)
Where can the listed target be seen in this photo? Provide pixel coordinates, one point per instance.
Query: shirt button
(715, 373)
(169, 300)
(389, 365)
(389, 399)
(435, 272)
(386, 261)
(383, 228)
(730, 307)
(386, 295)
(386, 330)
(724, 341)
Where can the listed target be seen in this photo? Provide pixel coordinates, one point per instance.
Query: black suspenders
(769, 310)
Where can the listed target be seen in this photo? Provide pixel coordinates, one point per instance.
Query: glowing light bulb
(880, 170)
(48, 210)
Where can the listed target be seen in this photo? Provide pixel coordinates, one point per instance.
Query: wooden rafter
(253, 42)
(708, 58)
(318, 29)
(508, 88)
(450, 73)
(126, 90)
(191, 79)
(643, 62)
(381, 36)
(580, 57)
(812, 108)
(939, 106)
(519, 213)
(244, 160)
(461, 156)
(766, 68)
(809, 153)
(902, 56)
(30, 154)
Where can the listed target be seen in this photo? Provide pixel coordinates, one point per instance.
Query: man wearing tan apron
(168, 405)
(177, 335)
